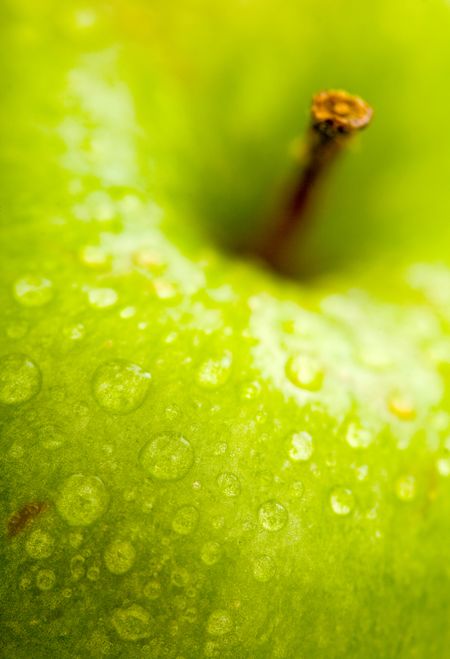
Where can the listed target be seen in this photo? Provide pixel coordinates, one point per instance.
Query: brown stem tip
(335, 117)
(337, 112)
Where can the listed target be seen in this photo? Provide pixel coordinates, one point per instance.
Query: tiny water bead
(304, 372)
(214, 373)
(45, 579)
(210, 553)
(33, 291)
(82, 500)
(272, 515)
(132, 623)
(405, 488)
(75, 332)
(120, 387)
(263, 568)
(219, 623)
(297, 489)
(20, 379)
(342, 501)
(301, 447)
(185, 520)
(152, 590)
(39, 544)
(180, 577)
(358, 437)
(102, 298)
(16, 330)
(402, 407)
(229, 484)
(167, 457)
(443, 466)
(119, 556)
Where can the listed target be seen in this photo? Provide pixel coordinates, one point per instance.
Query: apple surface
(201, 458)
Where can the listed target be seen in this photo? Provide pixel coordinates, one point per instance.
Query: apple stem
(335, 117)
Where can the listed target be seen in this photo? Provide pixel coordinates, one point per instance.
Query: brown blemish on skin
(19, 520)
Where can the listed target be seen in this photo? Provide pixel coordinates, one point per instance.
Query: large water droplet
(132, 623)
(185, 520)
(263, 568)
(229, 484)
(33, 291)
(82, 500)
(219, 623)
(214, 373)
(304, 372)
(119, 556)
(301, 446)
(20, 379)
(120, 387)
(39, 544)
(167, 457)
(342, 501)
(272, 516)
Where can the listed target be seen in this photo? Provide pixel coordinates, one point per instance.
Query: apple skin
(200, 459)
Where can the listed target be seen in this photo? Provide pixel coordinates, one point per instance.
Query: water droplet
(443, 466)
(82, 500)
(132, 623)
(102, 298)
(75, 539)
(210, 553)
(75, 332)
(167, 457)
(229, 484)
(45, 579)
(185, 520)
(272, 516)
(263, 568)
(164, 290)
(20, 379)
(358, 437)
(301, 446)
(119, 556)
(94, 256)
(51, 438)
(16, 330)
(150, 260)
(342, 501)
(297, 489)
(152, 590)
(39, 544)
(128, 312)
(405, 488)
(120, 387)
(402, 407)
(77, 567)
(93, 573)
(219, 623)
(304, 372)
(180, 577)
(33, 291)
(214, 373)
(250, 390)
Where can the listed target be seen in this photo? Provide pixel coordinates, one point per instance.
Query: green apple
(200, 458)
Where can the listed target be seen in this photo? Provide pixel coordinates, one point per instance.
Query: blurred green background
(222, 92)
